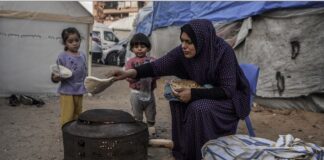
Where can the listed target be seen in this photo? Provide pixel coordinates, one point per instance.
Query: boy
(142, 96)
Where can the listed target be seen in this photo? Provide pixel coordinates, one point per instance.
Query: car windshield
(108, 36)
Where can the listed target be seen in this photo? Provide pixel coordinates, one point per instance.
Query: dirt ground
(32, 133)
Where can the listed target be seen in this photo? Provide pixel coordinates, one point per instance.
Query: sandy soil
(32, 133)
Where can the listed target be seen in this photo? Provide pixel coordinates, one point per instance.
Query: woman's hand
(121, 74)
(183, 94)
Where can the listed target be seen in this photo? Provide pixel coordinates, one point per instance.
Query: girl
(71, 89)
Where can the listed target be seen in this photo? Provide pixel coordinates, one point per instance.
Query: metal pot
(102, 134)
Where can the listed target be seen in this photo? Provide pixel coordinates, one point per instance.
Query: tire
(122, 59)
(96, 56)
(112, 58)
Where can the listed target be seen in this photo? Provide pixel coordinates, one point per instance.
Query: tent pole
(88, 50)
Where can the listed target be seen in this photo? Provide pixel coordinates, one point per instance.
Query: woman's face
(187, 45)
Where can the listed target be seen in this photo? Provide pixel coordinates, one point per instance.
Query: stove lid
(105, 116)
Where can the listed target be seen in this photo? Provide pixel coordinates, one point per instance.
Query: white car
(115, 55)
(96, 49)
(106, 48)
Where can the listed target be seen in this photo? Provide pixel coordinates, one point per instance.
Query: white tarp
(269, 45)
(30, 41)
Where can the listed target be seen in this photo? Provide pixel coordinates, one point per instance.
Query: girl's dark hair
(66, 32)
(140, 38)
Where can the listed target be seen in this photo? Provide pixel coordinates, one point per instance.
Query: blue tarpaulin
(168, 13)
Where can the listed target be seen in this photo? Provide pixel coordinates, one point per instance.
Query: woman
(201, 114)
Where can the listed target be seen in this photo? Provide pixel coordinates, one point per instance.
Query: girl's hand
(121, 74)
(56, 78)
(183, 94)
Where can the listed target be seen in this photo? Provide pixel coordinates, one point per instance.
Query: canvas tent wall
(288, 46)
(267, 27)
(30, 41)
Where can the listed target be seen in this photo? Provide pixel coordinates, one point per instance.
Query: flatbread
(183, 83)
(60, 70)
(96, 85)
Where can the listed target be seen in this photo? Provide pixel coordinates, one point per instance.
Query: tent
(30, 41)
(284, 38)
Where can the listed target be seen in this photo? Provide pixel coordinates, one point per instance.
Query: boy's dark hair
(140, 38)
(66, 32)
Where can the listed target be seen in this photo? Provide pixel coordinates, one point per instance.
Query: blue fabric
(251, 73)
(144, 23)
(168, 94)
(168, 13)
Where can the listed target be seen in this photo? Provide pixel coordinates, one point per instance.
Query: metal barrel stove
(105, 134)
